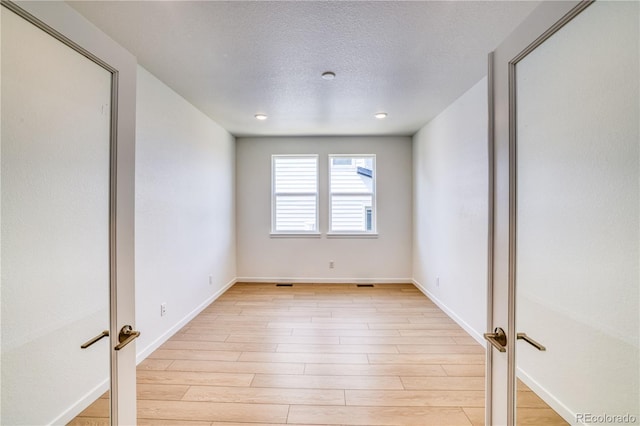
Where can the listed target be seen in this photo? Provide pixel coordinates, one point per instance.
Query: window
(294, 194)
(352, 194)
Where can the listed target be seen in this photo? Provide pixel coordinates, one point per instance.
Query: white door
(59, 279)
(566, 218)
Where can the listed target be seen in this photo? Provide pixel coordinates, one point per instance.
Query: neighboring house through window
(352, 194)
(294, 194)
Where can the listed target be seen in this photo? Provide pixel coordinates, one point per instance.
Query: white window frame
(373, 233)
(274, 194)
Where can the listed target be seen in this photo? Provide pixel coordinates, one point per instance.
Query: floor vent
(365, 285)
(284, 285)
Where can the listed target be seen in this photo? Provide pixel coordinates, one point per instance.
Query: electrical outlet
(163, 309)
(331, 264)
(437, 281)
(210, 279)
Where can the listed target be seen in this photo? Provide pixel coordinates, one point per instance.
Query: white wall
(185, 211)
(578, 214)
(450, 209)
(386, 258)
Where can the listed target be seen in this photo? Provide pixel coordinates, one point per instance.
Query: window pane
(352, 192)
(351, 175)
(341, 161)
(349, 212)
(295, 213)
(296, 174)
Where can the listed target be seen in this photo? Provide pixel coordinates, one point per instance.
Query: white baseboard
(301, 280)
(547, 397)
(462, 323)
(144, 353)
(71, 412)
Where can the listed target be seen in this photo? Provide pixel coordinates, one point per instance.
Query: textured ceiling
(235, 59)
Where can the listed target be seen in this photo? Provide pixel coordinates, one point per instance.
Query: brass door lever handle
(498, 339)
(529, 340)
(126, 336)
(105, 333)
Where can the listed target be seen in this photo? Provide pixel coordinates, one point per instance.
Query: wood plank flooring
(314, 354)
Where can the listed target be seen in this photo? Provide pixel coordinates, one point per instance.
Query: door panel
(57, 189)
(567, 203)
(500, 393)
(55, 226)
(577, 214)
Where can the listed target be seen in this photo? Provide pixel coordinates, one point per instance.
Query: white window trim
(374, 213)
(353, 234)
(294, 234)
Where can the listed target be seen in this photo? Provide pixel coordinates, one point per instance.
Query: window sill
(352, 235)
(295, 235)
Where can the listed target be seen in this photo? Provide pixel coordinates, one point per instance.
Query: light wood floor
(316, 355)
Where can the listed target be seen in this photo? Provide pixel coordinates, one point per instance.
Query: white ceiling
(234, 59)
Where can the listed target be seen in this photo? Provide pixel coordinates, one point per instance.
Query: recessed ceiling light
(328, 75)
(261, 116)
(380, 115)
